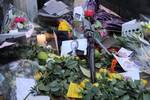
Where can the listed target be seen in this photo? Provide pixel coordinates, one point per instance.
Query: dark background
(128, 8)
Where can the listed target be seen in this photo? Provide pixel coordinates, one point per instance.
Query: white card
(126, 64)
(23, 87)
(124, 52)
(38, 98)
(130, 28)
(134, 74)
(78, 13)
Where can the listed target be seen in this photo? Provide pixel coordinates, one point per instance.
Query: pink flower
(20, 19)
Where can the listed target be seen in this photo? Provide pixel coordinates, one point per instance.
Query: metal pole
(90, 55)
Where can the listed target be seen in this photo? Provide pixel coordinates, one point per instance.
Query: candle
(41, 39)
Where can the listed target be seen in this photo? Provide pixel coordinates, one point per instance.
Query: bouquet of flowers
(15, 20)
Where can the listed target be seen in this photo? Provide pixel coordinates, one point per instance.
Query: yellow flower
(114, 76)
(64, 26)
(103, 70)
(98, 76)
(96, 84)
(73, 91)
(37, 75)
(110, 79)
(144, 82)
(82, 84)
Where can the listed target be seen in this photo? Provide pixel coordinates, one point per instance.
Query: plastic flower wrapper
(143, 55)
(15, 19)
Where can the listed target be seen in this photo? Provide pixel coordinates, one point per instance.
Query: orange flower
(82, 84)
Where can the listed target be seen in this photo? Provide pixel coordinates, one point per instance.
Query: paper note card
(23, 87)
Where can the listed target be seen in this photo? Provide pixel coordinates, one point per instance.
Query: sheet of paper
(124, 52)
(78, 13)
(54, 6)
(130, 22)
(134, 74)
(38, 98)
(23, 87)
(126, 64)
(131, 27)
(6, 44)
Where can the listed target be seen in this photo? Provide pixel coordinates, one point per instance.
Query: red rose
(89, 13)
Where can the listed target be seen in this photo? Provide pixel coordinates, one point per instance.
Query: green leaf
(85, 72)
(114, 81)
(42, 87)
(58, 60)
(98, 65)
(146, 97)
(132, 84)
(53, 84)
(42, 68)
(119, 92)
(88, 85)
(71, 64)
(125, 97)
(87, 97)
(94, 90)
(55, 89)
(49, 64)
(137, 82)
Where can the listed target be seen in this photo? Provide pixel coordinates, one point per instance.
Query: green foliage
(58, 74)
(24, 51)
(132, 42)
(31, 51)
(115, 89)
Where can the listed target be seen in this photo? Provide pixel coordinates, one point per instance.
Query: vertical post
(27, 6)
(90, 55)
